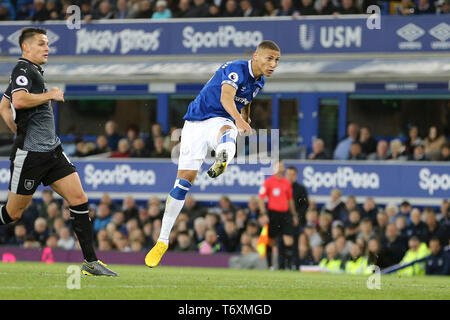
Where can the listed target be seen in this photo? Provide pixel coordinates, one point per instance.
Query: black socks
(4, 216)
(81, 224)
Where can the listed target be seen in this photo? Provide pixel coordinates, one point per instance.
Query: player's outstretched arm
(7, 114)
(23, 99)
(227, 99)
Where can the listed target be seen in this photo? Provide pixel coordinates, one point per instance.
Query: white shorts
(196, 138)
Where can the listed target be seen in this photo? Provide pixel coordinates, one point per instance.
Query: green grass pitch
(27, 280)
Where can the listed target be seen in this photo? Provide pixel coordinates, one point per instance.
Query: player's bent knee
(80, 198)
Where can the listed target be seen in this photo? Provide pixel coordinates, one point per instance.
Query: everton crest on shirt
(239, 75)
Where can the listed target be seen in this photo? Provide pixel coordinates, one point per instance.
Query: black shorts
(29, 169)
(280, 223)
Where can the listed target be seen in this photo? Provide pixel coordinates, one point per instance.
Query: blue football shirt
(237, 74)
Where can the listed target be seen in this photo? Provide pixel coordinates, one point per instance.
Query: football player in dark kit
(37, 156)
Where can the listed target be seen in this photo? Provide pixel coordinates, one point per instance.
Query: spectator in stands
(122, 11)
(39, 12)
(162, 11)
(350, 204)
(111, 135)
(397, 150)
(192, 208)
(331, 263)
(445, 8)
(349, 7)
(123, 150)
(103, 217)
(270, 9)
(214, 11)
(52, 8)
(101, 145)
(326, 7)
(444, 154)
(314, 238)
(405, 8)
(418, 153)
(368, 143)
(132, 133)
(24, 8)
(405, 210)
(183, 9)
(7, 11)
(248, 10)
(335, 206)
(393, 245)
(381, 153)
(417, 250)
(318, 151)
(144, 10)
(357, 262)
(232, 236)
(366, 230)
(199, 229)
(159, 151)
(252, 209)
(105, 11)
(324, 227)
(375, 254)
(20, 235)
(382, 222)
(199, 10)
(434, 228)
(41, 231)
(343, 247)
(444, 212)
(87, 12)
(343, 148)
(130, 208)
(401, 223)
(417, 227)
(305, 256)
(413, 138)
(211, 244)
(287, 8)
(433, 143)
(184, 242)
(307, 8)
(369, 210)
(232, 9)
(356, 152)
(425, 7)
(391, 211)
(80, 148)
(139, 149)
(65, 241)
(439, 261)
(352, 227)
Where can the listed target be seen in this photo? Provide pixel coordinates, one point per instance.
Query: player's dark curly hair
(30, 32)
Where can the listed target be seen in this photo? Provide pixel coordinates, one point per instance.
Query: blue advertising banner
(224, 36)
(423, 183)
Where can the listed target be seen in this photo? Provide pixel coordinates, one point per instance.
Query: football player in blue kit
(213, 120)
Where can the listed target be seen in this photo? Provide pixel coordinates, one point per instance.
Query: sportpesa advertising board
(387, 34)
(422, 183)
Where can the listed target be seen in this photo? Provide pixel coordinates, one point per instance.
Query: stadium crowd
(342, 235)
(43, 10)
(359, 144)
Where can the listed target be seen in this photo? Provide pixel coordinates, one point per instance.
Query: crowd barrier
(422, 183)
